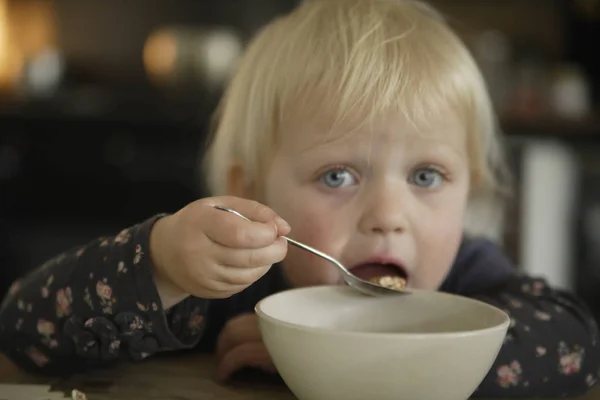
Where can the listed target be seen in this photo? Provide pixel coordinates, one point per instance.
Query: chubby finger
(249, 354)
(222, 291)
(239, 277)
(253, 258)
(240, 329)
(252, 210)
(229, 230)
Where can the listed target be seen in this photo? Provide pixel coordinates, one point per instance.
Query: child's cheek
(317, 225)
(310, 231)
(303, 268)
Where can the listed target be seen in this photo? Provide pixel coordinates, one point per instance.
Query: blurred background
(104, 108)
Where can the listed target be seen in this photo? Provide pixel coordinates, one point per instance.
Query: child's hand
(240, 345)
(209, 253)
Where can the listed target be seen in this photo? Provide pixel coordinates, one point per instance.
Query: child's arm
(90, 306)
(551, 348)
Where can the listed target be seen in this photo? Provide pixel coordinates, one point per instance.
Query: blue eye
(337, 178)
(428, 178)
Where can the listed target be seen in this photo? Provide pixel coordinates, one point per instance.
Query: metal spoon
(352, 280)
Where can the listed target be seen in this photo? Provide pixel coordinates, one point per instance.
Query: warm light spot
(160, 54)
(10, 62)
(27, 29)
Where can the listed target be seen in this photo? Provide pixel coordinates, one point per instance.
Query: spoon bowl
(366, 287)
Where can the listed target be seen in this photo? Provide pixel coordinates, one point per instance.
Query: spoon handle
(317, 252)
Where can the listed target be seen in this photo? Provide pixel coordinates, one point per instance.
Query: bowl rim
(386, 335)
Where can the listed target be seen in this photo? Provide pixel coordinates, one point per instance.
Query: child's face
(387, 194)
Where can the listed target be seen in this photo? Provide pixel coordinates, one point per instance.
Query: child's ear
(236, 183)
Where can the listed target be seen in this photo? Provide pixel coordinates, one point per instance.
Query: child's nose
(384, 214)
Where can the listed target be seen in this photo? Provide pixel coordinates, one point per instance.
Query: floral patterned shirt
(94, 305)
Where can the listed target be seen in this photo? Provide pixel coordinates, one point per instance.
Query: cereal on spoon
(390, 282)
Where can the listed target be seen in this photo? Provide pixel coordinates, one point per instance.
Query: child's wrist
(170, 294)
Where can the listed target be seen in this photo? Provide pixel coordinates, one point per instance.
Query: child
(365, 126)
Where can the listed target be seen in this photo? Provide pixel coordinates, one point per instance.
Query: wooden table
(181, 378)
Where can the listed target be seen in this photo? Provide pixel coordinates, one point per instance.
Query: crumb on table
(77, 395)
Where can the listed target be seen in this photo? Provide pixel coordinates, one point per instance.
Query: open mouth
(376, 271)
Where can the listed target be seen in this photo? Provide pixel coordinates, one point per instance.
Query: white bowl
(333, 343)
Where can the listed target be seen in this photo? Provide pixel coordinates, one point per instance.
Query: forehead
(443, 129)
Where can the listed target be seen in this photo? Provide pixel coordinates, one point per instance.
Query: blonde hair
(351, 59)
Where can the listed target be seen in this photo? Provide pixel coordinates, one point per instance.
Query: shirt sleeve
(93, 305)
(551, 348)
(552, 344)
